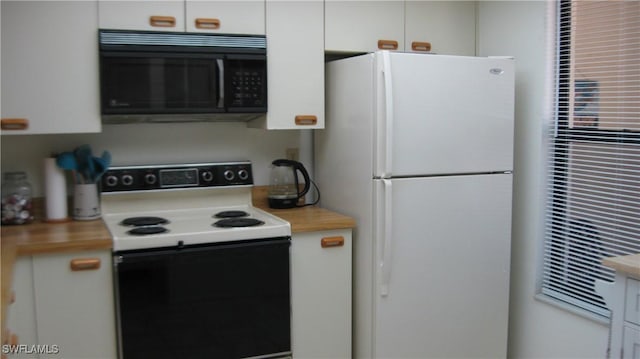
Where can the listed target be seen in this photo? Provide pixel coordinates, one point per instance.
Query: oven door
(228, 300)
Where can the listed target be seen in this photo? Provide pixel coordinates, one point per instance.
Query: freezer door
(438, 114)
(442, 253)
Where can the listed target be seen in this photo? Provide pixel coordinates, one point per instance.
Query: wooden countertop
(303, 219)
(629, 264)
(40, 237)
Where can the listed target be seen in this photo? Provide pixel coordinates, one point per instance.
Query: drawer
(632, 302)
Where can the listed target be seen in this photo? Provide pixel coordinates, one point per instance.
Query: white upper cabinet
(142, 15)
(448, 27)
(295, 65)
(228, 17)
(363, 26)
(445, 27)
(49, 67)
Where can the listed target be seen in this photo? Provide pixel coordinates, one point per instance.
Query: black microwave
(159, 75)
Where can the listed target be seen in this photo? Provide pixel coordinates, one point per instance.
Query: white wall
(536, 329)
(155, 143)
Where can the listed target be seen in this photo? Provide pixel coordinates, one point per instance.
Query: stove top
(193, 226)
(148, 207)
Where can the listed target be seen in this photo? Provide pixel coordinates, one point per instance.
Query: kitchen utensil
(284, 190)
(67, 161)
(85, 164)
(101, 165)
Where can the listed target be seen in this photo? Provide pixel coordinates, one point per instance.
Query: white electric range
(198, 271)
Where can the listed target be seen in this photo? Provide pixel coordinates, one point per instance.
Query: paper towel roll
(55, 192)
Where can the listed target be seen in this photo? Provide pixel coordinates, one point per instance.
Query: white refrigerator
(418, 148)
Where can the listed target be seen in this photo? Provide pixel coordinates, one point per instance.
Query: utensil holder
(86, 202)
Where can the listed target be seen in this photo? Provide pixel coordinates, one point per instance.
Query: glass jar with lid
(17, 207)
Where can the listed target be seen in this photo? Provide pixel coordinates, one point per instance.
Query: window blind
(593, 195)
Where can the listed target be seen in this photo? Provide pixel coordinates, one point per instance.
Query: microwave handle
(220, 64)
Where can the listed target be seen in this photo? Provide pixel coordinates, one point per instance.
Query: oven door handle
(142, 256)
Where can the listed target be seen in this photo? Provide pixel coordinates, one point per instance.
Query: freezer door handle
(386, 121)
(385, 251)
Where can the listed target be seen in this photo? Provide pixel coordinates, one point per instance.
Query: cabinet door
(21, 317)
(632, 307)
(631, 346)
(74, 303)
(448, 26)
(154, 15)
(363, 26)
(321, 294)
(295, 63)
(228, 17)
(50, 66)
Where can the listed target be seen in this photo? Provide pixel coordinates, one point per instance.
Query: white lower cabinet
(21, 316)
(321, 294)
(64, 303)
(623, 299)
(631, 342)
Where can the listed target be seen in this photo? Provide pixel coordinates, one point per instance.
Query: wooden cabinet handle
(306, 120)
(421, 46)
(14, 340)
(14, 124)
(85, 264)
(209, 24)
(162, 21)
(387, 44)
(328, 242)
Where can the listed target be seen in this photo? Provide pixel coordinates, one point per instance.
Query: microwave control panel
(247, 81)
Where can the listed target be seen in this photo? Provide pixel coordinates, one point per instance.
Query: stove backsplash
(152, 143)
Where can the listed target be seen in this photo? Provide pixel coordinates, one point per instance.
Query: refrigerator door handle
(385, 255)
(387, 121)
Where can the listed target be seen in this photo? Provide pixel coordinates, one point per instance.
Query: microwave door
(199, 84)
(126, 82)
(161, 83)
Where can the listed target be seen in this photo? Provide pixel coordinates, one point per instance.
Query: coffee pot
(284, 188)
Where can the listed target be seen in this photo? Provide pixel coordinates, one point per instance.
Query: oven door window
(163, 83)
(219, 301)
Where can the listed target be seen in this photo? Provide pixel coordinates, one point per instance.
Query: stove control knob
(150, 178)
(207, 176)
(127, 180)
(243, 174)
(229, 175)
(111, 181)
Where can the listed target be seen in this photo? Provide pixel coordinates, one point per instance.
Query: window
(593, 195)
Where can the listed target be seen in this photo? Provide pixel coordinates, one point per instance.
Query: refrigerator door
(442, 253)
(438, 114)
